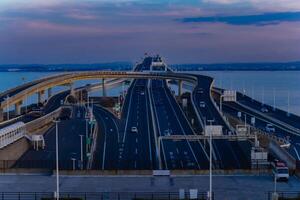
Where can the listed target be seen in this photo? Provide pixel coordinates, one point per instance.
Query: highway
(292, 120)
(284, 129)
(232, 109)
(149, 112)
(69, 145)
(137, 149)
(170, 120)
(106, 155)
(54, 102)
(227, 154)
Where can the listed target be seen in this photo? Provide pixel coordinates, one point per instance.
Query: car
(167, 132)
(280, 170)
(200, 91)
(202, 104)
(134, 129)
(264, 110)
(270, 128)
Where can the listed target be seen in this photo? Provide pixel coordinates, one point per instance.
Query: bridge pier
(180, 87)
(41, 96)
(18, 108)
(49, 92)
(103, 88)
(1, 114)
(72, 90)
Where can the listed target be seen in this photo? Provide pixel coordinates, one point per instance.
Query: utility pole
(263, 96)
(288, 110)
(274, 106)
(7, 107)
(210, 161)
(81, 151)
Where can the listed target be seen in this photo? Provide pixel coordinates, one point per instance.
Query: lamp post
(7, 106)
(274, 106)
(81, 151)
(57, 164)
(210, 161)
(288, 104)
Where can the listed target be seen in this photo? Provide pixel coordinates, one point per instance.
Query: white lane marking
(297, 153)
(128, 111)
(183, 131)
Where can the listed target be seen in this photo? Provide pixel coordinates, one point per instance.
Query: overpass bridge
(20, 93)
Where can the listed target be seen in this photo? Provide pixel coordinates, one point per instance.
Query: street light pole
(263, 96)
(81, 151)
(7, 107)
(221, 96)
(57, 164)
(288, 110)
(86, 133)
(274, 108)
(210, 161)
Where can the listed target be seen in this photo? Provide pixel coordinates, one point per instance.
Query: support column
(18, 108)
(103, 87)
(41, 96)
(49, 92)
(180, 87)
(72, 91)
(1, 114)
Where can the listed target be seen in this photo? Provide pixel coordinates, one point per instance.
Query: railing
(282, 195)
(98, 196)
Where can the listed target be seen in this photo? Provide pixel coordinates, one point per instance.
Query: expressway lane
(107, 144)
(54, 102)
(69, 143)
(278, 114)
(171, 121)
(137, 148)
(232, 109)
(227, 154)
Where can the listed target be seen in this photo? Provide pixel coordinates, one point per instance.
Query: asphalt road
(107, 145)
(69, 132)
(170, 120)
(226, 154)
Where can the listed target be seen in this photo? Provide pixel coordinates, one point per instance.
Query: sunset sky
(190, 31)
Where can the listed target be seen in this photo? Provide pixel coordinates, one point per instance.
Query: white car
(264, 110)
(134, 129)
(280, 170)
(199, 91)
(202, 104)
(270, 128)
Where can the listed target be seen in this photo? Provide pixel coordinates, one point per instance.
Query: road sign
(229, 95)
(213, 130)
(88, 140)
(252, 120)
(239, 114)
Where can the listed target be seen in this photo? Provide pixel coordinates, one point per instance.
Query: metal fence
(285, 195)
(99, 196)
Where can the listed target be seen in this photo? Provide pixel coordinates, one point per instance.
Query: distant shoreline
(125, 66)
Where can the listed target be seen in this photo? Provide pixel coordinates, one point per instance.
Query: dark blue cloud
(259, 19)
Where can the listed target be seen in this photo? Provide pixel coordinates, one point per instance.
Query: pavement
(227, 154)
(69, 132)
(231, 187)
